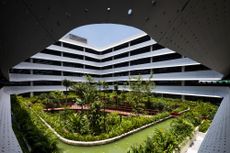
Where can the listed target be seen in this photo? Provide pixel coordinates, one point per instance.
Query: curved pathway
(77, 107)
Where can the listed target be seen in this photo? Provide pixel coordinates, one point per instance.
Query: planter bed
(109, 140)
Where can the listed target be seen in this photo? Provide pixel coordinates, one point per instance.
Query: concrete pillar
(31, 82)
(84, 58)
(129, 56)
(113, 65)
(62, 73)
(182, 82)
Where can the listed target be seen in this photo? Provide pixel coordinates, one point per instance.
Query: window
(121, 55)
(168, 83)
(58, 43)
(166, 57)
(51, 52)
(73, 56)
(107, 67)
(140, 61)
(20, 83)
(167, 70)
(107, 51)
(121, 74)
(121, 46)
(140, 40)
(19, 71)
(73, 74)
(91, 59)
(140, 72)
(92, 51)
(67, 45)
(121, 65)
(46, 83)
(41, 61)
(196, 68)
(92, 67)
(107, 59)
(46, 72)
(157, 47)
(140, 51)
(68, 64)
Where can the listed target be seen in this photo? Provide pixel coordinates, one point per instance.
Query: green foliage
(204, 126)
(181, 128)
(139, 89)
(165, 141)
(66, 83)
(95, 117)
(86, 91)
(96, 124)
(40, 139)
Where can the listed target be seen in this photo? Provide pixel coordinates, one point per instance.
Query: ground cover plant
(169, 141)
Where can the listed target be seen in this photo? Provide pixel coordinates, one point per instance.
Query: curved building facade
(72, 59)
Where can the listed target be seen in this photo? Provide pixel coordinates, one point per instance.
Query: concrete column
(31, 82)
(129, 56)
(151, 61)
(84, 58)
(182, 82)
(62, 73)
(113, 65)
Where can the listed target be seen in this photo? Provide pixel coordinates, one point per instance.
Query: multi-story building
(69, 58)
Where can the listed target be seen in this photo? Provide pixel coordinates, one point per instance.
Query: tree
(102, 85)
(86, 91)
(67, 84)
(147, 87)
(135, 94)
(138, 91)
(87, 94)
(95, 117)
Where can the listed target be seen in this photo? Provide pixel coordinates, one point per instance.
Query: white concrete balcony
(174, 76)
(117, 52)
(102, 64)
(161, 64)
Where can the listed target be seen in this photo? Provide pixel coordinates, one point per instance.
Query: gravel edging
(109, 140)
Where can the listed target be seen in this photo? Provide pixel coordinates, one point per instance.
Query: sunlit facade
(174, 75)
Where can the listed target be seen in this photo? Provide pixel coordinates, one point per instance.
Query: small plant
(204, 126)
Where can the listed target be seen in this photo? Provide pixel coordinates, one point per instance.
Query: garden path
(78, 107)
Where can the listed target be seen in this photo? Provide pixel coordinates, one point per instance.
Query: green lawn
(120, 146)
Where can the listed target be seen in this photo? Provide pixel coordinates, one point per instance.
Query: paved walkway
(8, 141)
(78, 107)
(196, 144)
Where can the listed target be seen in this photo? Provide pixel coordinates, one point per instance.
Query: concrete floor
(196, 144)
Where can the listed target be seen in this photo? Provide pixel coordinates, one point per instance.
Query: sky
(102, 35)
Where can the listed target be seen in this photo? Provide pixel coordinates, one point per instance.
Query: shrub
(38, 136)
(204, 126)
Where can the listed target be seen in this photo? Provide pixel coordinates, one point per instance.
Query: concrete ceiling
(198, 29)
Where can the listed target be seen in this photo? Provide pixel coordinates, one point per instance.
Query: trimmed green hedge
(38, 136)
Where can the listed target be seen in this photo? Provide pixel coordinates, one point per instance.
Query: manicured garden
(99, 115)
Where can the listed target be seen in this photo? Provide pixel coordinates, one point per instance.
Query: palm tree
(80, 90)
(67, 84)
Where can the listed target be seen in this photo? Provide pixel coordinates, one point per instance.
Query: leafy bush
(38, 136)
(165, 141)
(204, 126)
